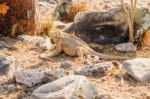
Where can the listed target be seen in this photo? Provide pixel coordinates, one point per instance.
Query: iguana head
(55, 36)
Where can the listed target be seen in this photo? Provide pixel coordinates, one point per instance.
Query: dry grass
(145, 40)
(77, 7)
(46, 26)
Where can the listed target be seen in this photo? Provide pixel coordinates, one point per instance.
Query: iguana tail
(105, 56)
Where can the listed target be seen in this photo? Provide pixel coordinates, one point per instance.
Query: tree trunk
(22, 12)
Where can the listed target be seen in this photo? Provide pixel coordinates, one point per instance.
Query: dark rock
(95, 70)
(67, 65)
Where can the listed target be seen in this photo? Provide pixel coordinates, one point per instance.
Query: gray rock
(2, 79)
(47, 44)
(95, 70)
(138, 68)
(8, 66)
(126, 47)
(67, 65)
(32, 77)
(6, 88)
(70, 87)
(30, 39)
(143, 20)
(53, 74)
(29, 77)
(2, 47)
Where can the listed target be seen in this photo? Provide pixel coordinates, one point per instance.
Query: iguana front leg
(57, 50)
(81, 52)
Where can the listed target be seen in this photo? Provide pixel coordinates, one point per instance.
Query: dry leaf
(3, 8)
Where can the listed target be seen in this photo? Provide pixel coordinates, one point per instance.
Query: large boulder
(138, 68)
(70, 87)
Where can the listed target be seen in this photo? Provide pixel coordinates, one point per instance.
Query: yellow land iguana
(74, 46)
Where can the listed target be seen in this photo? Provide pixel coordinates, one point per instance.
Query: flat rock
(138, 68)
(70, 87)
(8, 66)
(30, 39)
(126, 47)
(29, 77)
(95, 70)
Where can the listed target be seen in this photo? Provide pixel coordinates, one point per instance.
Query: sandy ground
(27, 55)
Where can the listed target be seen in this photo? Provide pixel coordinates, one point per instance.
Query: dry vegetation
(145, 43)
(77, 7)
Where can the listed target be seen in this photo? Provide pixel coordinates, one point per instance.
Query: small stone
(6, 88)
(29, 77)
(8, 66)
(104, 96)
(95, 70)
(2, 79)
(67, 65)
(95, 59)
(138, 68)
(126, 47)
(69, 87)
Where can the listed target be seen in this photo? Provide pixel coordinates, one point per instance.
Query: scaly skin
(73, 46)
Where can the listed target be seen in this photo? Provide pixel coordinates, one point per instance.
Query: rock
(126, 47)
(46, 45)
(70, 87)
(95, 70)
(67, 65)
(138, 68)
(8, 66)
(2, 47)
(143, 20)
(30, 39)
(2, 79)
(6, 88)
(29, 77)
(53, 74)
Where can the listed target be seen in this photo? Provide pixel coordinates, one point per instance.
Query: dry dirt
(28, 57)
